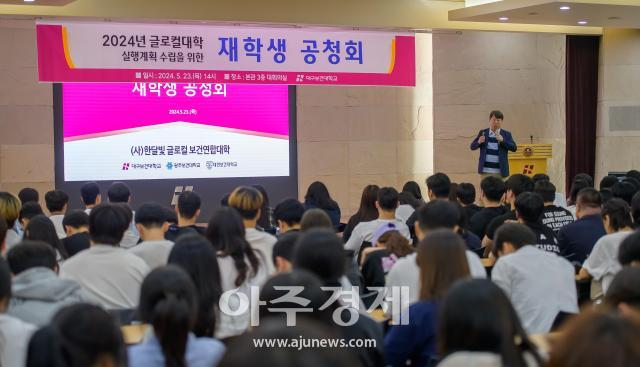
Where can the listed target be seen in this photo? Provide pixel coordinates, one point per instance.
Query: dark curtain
(581, 105)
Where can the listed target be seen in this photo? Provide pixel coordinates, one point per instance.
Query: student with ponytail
(168, 303)
(241, 267)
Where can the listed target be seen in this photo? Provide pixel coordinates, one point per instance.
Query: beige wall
(521, 74)
(26, 112)
(619, 85)
(349, 137)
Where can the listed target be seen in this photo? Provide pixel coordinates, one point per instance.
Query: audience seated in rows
(539, 284)
(152, 225)
(602, 263)
(191, 301)
(515, 185)
(76, 225)
(436, 214)
(57, 203)
(110, 274)
(37, 292)
(188, 211)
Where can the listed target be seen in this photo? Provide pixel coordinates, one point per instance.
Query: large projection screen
(160, 138)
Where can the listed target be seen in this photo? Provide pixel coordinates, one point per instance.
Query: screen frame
(162, 191)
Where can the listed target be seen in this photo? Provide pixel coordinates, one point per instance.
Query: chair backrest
(126, 316)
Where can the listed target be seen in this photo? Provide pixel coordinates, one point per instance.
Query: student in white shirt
(387, 203)
(14, 333)
(241, 267)
(248, 201)
(539, 284)
(119, 193)
(110, 274)
(152, 224)
(57, 203)
(90, 196)
(602, 264)
(436, 214)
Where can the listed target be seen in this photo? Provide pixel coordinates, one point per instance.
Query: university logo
(125, 166)
(210, 165)
(528, 169)
(169, 166)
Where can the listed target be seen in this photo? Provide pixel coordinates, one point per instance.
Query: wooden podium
(530, 159)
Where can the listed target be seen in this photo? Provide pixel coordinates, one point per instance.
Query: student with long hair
(489, 333)
(366, 212)
(266, 220)
(195, 255)
(318, 196)
(168, 302)
(240, 267)
(41, 228)
(442, 261)
(248, 202)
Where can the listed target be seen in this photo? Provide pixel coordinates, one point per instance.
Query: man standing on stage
(494, 144)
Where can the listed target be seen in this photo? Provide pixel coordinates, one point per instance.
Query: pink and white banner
(124, 52)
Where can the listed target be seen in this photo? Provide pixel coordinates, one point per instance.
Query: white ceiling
(623, 14)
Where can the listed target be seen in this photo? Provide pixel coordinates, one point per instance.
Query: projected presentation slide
(125, 131)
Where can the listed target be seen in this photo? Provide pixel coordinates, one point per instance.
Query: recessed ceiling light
(29, 1)
(565, 8)
(582, 22)
(503, 19)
